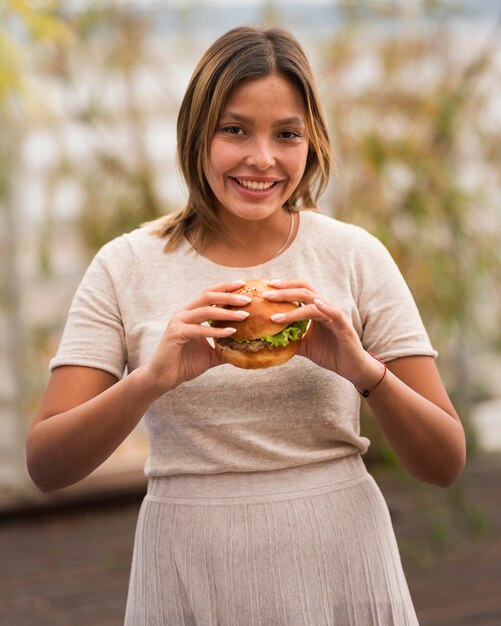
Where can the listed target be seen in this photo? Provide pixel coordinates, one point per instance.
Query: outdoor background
(89, 93)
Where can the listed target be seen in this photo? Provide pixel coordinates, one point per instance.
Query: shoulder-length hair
(243, 54)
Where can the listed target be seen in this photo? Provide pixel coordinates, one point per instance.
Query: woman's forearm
(66, 447)
(429, 441)
(86, 414)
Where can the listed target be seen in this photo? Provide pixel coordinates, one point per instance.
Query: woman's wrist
(371, 375)
(151, 386)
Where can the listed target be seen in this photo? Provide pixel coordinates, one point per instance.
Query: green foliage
(116, 201)
(119, 187)
(35, 24)
(414, 150)
(27, 30)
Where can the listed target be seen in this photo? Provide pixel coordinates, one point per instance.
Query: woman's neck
(246, 243)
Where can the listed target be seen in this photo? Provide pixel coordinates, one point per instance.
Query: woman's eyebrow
(295, 120)
(229, 115)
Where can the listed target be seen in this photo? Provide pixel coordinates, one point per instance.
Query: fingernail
(238, 282)
(244, 299)
(277, 317)
(242, 314)
(229, 329)
(319, 302)
(275, 282)
(269, 294)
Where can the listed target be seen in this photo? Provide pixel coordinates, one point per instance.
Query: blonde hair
(243, 54)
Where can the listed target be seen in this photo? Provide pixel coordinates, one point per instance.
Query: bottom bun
(268, 357)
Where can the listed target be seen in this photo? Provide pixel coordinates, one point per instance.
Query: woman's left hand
(331, 341)
(414, 412)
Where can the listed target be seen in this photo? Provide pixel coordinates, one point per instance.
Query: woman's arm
(86, 412)
(84, 416)
(410, 404)
(419, 420)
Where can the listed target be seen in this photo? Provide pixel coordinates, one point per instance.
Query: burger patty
(254, 345)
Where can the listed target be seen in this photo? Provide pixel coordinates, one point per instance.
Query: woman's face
(259, 150)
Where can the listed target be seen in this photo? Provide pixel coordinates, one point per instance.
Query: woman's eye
(289, 134)
(232, 130)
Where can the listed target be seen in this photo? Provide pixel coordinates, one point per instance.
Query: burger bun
(258, 324)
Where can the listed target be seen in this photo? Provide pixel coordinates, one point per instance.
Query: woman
(259, 508)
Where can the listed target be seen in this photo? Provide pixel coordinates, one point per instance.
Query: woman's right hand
(87, 412)
(183, 352)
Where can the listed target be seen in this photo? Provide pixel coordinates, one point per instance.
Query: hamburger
(259, 342)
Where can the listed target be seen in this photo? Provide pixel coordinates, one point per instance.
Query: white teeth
(253, 185)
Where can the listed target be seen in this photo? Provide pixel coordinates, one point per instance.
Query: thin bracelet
(366, 392)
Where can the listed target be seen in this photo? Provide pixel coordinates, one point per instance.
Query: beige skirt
(304, 546)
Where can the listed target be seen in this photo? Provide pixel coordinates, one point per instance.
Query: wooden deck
(455, 576)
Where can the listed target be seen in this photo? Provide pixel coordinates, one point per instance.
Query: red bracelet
(366, 392)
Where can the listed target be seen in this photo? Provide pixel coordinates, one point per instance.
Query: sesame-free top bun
(256, 354)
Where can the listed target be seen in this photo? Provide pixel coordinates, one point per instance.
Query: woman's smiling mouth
(254, 185)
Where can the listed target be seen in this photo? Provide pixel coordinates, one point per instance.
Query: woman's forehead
(273, 93)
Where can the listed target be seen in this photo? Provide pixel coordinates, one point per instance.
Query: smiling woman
(214, 113)
(238, 456)
(254, 167)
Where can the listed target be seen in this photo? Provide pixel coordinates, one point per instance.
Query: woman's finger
(336, 315)
(231, 286)
(219, 298)
(317, 312)
(290, 284)
(296, 294)
(202, 314)
(209, 332)
(182, 332)
(307, 312)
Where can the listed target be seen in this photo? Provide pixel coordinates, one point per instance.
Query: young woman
(259, 508)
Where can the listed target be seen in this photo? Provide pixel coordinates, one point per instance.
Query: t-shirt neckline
(207, 266)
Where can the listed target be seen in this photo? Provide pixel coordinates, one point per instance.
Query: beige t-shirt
(230, 419)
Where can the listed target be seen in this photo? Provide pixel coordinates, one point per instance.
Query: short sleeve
(391, 324)
(94, 334)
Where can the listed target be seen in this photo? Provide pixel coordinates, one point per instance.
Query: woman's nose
(261, 155)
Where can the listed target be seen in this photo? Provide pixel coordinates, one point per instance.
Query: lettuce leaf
(290, 333)
(281, 339)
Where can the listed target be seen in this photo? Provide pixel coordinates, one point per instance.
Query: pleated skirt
(304, 546)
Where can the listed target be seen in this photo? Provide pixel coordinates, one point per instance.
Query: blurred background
(89, 93)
